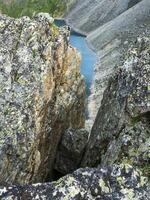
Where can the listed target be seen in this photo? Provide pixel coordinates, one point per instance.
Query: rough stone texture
(111, 41)
(118, 182)
(42, 94)
(70, 150)
(132, 146)
(121, 132)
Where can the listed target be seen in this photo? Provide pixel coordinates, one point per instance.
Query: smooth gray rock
(89, 15)
(123, 28)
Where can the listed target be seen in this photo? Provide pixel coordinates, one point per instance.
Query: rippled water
(88, 56)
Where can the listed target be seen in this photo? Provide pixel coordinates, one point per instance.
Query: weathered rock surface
(118, 182)
(71, 150)
(41, 95)
(110, 27)
(121, 132)
(111, 41)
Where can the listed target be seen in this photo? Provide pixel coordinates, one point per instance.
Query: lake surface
(88, 56)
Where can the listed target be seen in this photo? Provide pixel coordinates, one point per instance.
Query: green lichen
(55, 31)
(128, 194)
(33, 53)
(103, 186)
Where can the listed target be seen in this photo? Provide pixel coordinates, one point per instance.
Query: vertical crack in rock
(42, 94)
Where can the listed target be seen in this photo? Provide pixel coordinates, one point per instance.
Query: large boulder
(42, 94)
(118, 182)
(121, 132)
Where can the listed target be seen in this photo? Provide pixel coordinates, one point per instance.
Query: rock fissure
(47, 84)
(42, 134)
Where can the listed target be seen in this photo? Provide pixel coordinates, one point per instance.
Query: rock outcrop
(118, 182)
(42, 94)
(121, 132)
(42, 105)
(110, 27)
(111, 41)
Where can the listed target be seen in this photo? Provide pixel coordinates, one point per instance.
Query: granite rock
(121, 131)
(42, 94)
(118, 182)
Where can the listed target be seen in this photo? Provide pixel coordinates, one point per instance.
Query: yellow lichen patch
(55, 30)
(103, 186)
(120, 180)
(128, 167)
(128, 194)
(142, 181)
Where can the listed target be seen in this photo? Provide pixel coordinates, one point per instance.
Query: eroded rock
(111, 41)
(42, 94)
(121, 130)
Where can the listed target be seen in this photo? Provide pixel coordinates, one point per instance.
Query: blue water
(88, 56)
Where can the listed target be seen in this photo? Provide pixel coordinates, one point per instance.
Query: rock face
(110, 26)
(42, 94)
(111, 41)
(118, 182)
(88, 15)
(71, 150)
(121, 132)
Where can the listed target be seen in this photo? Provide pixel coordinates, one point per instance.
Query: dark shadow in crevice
(133, 3)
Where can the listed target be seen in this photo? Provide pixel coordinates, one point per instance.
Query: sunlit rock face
(41, 95)
(121, 131)
(118, 182)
